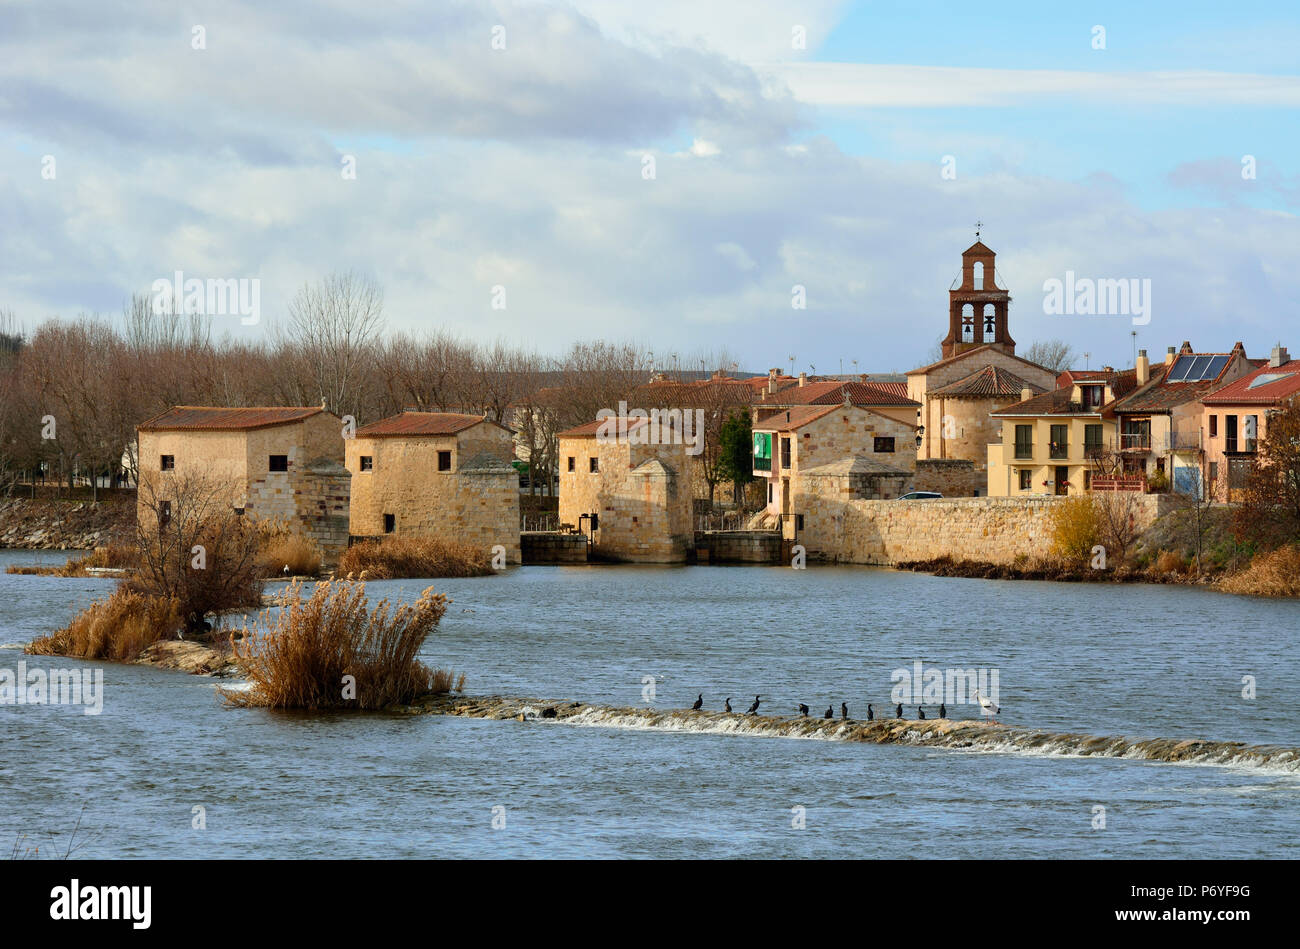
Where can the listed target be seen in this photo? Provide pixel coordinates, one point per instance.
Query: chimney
(863, 378)
(1143, 368)
(803, 379)
(1026, 394)
(771, 379)
(1169, 356)
(1278, 357)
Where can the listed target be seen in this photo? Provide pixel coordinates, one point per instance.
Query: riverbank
(49, 524)
(943, 733)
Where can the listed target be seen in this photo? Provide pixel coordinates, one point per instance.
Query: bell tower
(977, 309)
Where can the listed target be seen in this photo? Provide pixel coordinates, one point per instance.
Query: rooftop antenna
(1087, 360)
(792, 365)
(1134, 334)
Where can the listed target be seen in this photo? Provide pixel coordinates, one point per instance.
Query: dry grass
(302, 657)
(299, 554)
(116, 629)
(1169, 561)
(123, 556)
(1276, 573)
(444, 681)
(399, 558)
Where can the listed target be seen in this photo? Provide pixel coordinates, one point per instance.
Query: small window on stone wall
(444, 461)
(884, 444)
(390, 523)
(279, 463)
(367, 462)
(572, 463)
(594, 465)
(167, 462)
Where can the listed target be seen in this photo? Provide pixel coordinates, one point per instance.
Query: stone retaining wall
(552, 547)
(738, 546)
(992, 530)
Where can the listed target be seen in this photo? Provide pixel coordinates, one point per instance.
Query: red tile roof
(422, 423)
(923, 370)
(1057, 401)
(833, 393)
(787, 420)
(186, 418)
(989, 381)
(590, 429)
(1270, 393)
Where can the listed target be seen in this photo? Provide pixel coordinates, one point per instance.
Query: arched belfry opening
(977, 306)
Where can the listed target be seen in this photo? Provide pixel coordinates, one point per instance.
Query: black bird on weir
(699, 703)
(728, 703)
(943, 710)
(753, 709)
(871, 716)
(844, 710)
(898, 713)
(803, 710)
(830, 712)
(920, 713)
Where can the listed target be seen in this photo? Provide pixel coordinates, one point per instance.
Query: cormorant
(699, 703)
(728, 703)
(943, 710)
(871, 716)
(753, 709)
(898, 712)
(830, 712)
(844, 710)
(803, 710)
(920, 713)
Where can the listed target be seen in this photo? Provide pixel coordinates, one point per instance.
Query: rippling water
(1140, 661)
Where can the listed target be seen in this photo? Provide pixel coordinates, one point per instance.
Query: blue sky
(523, 167)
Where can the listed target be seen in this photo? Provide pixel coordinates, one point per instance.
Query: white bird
(987, 707)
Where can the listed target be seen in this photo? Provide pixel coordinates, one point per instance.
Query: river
(1130, 660)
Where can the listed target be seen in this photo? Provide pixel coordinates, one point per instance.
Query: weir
(941, 733)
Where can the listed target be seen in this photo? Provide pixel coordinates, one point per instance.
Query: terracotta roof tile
(422, 423)
(185, 418)
(989, 381)
(1270, 393)
(832, 393)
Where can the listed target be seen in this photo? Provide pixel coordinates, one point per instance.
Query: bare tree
(333, 326)
(1053, 354)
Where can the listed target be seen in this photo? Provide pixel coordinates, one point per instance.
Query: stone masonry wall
(994, 530)
(951, 477)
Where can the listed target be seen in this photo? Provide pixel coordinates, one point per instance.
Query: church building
(979, 373)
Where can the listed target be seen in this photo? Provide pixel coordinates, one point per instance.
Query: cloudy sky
(847, 148)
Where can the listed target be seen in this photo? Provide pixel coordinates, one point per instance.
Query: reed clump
(123, 556)
(1276, 573)
(331, 651)
(400, 557)
(288, 554)
(117, 629)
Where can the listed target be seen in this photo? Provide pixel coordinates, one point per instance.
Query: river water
(1138, 661)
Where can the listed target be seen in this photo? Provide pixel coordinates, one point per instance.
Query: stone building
(628, 489)
(280, 463)
(979, 373)
(436, 474)
(847, 448)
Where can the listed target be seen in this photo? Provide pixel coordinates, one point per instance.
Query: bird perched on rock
(844, 710)
(803, 710)
(898, 712)
(871, 716)
(830, 712)
(987, 707)
(920, 713)
(699, 703)
(728, 703)
(753, 709)
(943, 710)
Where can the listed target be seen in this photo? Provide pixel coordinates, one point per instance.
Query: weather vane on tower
(978, 225)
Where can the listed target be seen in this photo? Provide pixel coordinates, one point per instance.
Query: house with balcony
(875, 454)
(1050, 443)
(1235, 421)
(1160, 422)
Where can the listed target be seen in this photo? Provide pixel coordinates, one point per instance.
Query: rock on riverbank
(43, 524)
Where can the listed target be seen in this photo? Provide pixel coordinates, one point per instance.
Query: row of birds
(987, 706)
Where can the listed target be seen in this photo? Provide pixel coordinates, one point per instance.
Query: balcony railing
(1058, 450)
(1185, 441)
(1135, 441)
(762, 464)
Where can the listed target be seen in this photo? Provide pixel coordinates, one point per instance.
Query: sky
(665, 173)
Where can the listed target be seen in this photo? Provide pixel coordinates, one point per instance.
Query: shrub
(399, 557)
(1169, 561)
(1075, 528)
(1271, 574)
(300, 659)
(195, 549)
(118, 628)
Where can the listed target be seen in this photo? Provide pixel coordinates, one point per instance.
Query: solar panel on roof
(1180, 367)
(1216, 367)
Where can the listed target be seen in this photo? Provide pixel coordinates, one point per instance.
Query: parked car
(919, 495)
